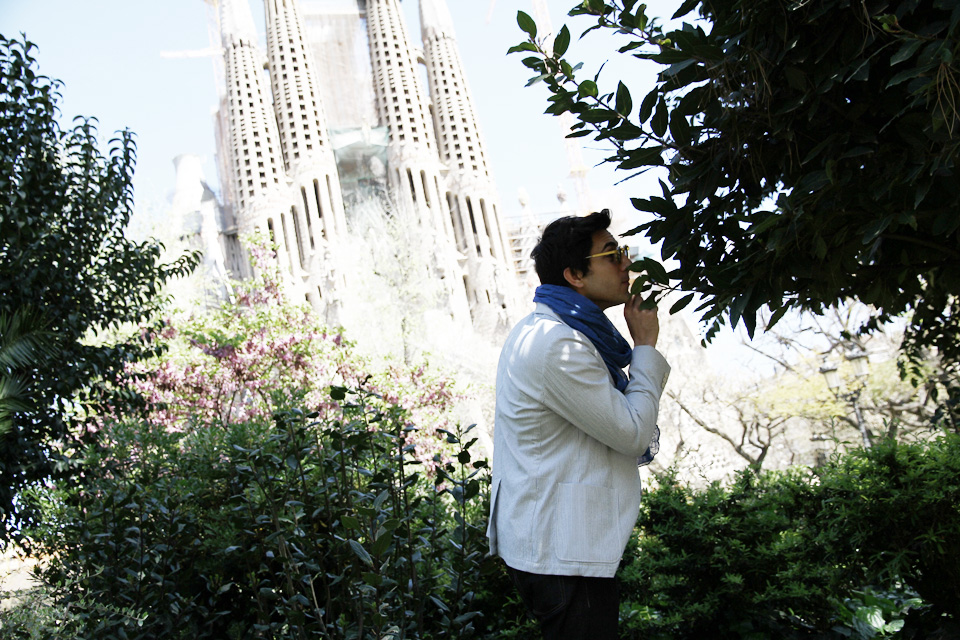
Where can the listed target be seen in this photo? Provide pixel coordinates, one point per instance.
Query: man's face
(607, 281)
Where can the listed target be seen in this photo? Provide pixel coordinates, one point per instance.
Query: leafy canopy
(63, 256)
(809, 150)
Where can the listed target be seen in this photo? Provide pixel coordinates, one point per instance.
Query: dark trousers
(570, 607)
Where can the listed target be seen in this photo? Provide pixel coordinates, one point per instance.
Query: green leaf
(360, 552)
(640, 285)
(777, 315)
(874, 229)
(737, 306)
(659, 122)
(946, 223)
(642, 157)
(649, 303)
(587, 88)
(903, 76)
(646, 107)
(768, 219)
(685, 8)
(681, 303)
(907, 50)
(561, 42)
(656, 271)
(597, 115)
(372, 579)
(624, 105)
(527, 24)
(680, 129)
(523, 46)
(382, 543)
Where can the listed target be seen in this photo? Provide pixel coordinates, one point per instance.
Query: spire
(472, 198)
(458, 134)
(304, 138)
(294, 82)
(256, 163)
(401, 103)
(236, 23)
(415, 171)
(435, 19)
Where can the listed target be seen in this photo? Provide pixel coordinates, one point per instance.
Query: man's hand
(643, 323)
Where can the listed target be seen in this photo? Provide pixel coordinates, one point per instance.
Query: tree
(63, 210)
(809, 149)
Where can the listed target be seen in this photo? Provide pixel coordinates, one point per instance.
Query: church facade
(330, 122)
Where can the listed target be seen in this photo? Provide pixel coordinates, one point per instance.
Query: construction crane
(214, 51)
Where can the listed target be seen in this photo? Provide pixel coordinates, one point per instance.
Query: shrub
(893, 512)
(278, 529)
(794, 554)
(727, 562)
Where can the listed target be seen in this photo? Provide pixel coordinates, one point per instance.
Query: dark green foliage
(730, 560)
(810, 151)
(895, 512)
(63, 209)
(791, 555)
(23, 341)
(287, 530)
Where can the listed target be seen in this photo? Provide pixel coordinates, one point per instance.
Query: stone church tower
(471, 196)
(291, 171)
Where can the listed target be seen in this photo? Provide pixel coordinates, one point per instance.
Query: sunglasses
(619, 253)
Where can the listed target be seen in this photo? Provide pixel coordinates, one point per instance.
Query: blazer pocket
(586, 525)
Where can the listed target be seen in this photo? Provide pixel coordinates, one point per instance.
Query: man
(570, 428)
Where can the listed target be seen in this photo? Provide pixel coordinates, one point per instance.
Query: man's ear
(574, 277)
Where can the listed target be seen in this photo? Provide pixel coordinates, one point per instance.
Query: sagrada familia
(332, 117)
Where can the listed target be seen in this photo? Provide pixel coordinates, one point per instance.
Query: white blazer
(566, 489)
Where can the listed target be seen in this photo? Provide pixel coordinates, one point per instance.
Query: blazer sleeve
(579, 388)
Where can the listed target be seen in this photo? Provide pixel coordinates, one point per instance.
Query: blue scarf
(579, 313)
(583, 315)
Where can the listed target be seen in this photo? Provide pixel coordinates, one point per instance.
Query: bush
(727, 562)
(794, 554)
(893, 512)
(282, 529)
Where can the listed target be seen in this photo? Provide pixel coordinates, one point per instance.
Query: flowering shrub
(291, 527)
(259, 354)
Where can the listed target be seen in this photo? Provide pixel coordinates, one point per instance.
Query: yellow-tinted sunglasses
(619, 254)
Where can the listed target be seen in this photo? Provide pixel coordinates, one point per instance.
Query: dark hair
(566, 242)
